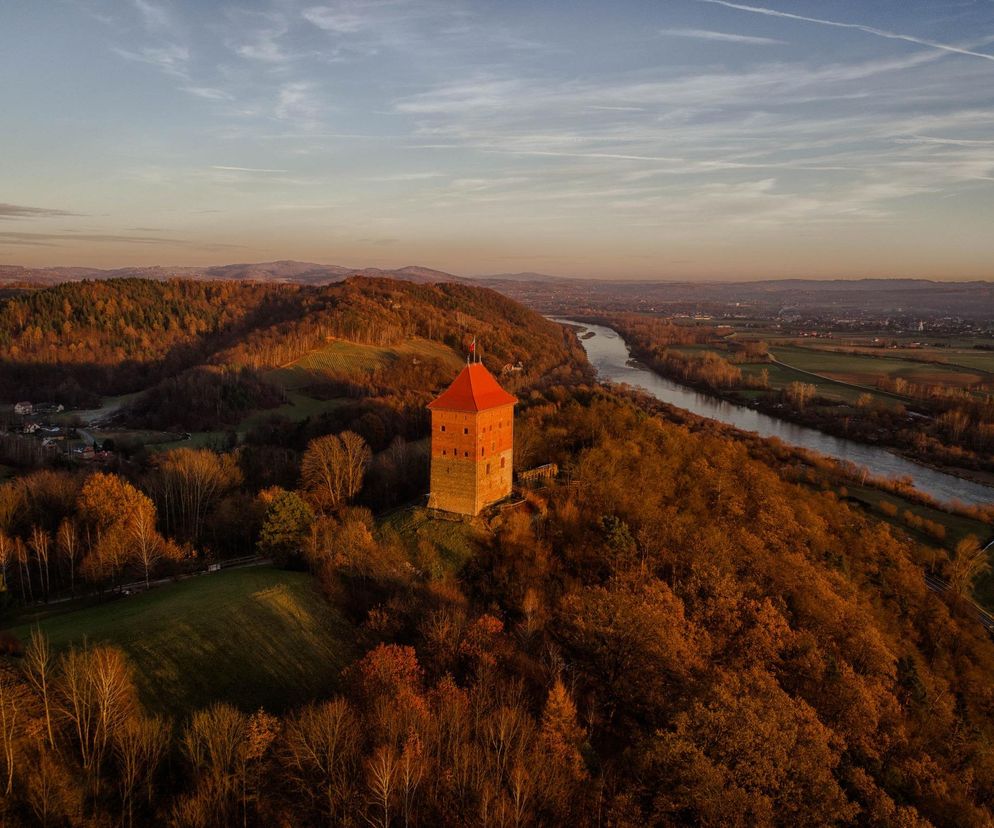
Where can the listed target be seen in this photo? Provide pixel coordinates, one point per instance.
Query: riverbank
(610, 356)
(897, 430)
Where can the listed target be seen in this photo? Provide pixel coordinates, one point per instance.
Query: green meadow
(255, 637)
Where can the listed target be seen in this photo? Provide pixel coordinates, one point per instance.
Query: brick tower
(472, 442)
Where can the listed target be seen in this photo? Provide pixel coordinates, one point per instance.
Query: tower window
(443, 428)
(482, 452)
(465, 431)
(502, 462)
(488, 468)
(465, 454)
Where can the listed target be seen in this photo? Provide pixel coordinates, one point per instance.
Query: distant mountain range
(304, 273)
(311, 273)
(565, 294)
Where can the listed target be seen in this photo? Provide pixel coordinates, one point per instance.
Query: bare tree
(24, 571)
(333, 468)
(39, 542)
(320, 754)
(356, 456)
(187, 483)
(38, 666)
(148, 543)
(411, 771)
(67, 540)
(10, 706)
(213, 743)
(382, 776)
(139, 746)
(8, 555)
(97, 697)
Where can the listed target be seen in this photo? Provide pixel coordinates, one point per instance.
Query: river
(609, 354)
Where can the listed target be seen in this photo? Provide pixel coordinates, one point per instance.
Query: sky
(669, 139)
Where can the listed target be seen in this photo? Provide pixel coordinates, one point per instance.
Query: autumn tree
(109, 508)
(800, 393)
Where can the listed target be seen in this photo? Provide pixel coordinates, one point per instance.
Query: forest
(729, 645)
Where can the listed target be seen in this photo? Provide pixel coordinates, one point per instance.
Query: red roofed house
(472, 443)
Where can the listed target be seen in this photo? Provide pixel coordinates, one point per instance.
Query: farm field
(254, 637)
(344, 359)
(780, 376)
(867, 370)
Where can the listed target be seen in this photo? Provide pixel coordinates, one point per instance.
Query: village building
(23, 408)
(472, 443)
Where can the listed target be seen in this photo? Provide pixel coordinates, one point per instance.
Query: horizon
(510, 275)
(695, 140)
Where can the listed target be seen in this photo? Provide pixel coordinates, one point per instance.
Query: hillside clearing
(343, 359)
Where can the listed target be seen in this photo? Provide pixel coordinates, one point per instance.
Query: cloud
(57, 239)
(339, 21)
(209, 92)
(944, 47)
(8, 211)
(721, 37)
(171, 58)
(295, 101)
(245, 169)
(41, 238)
(261, 39)
(413, 176)
(155, 17)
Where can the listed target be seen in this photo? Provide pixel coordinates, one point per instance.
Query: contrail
(945, 47)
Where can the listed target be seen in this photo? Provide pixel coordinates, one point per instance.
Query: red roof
(475, 389)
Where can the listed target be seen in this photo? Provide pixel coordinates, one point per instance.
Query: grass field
(345, 359)
(254, 637)
(298, 407)
(453, 539)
